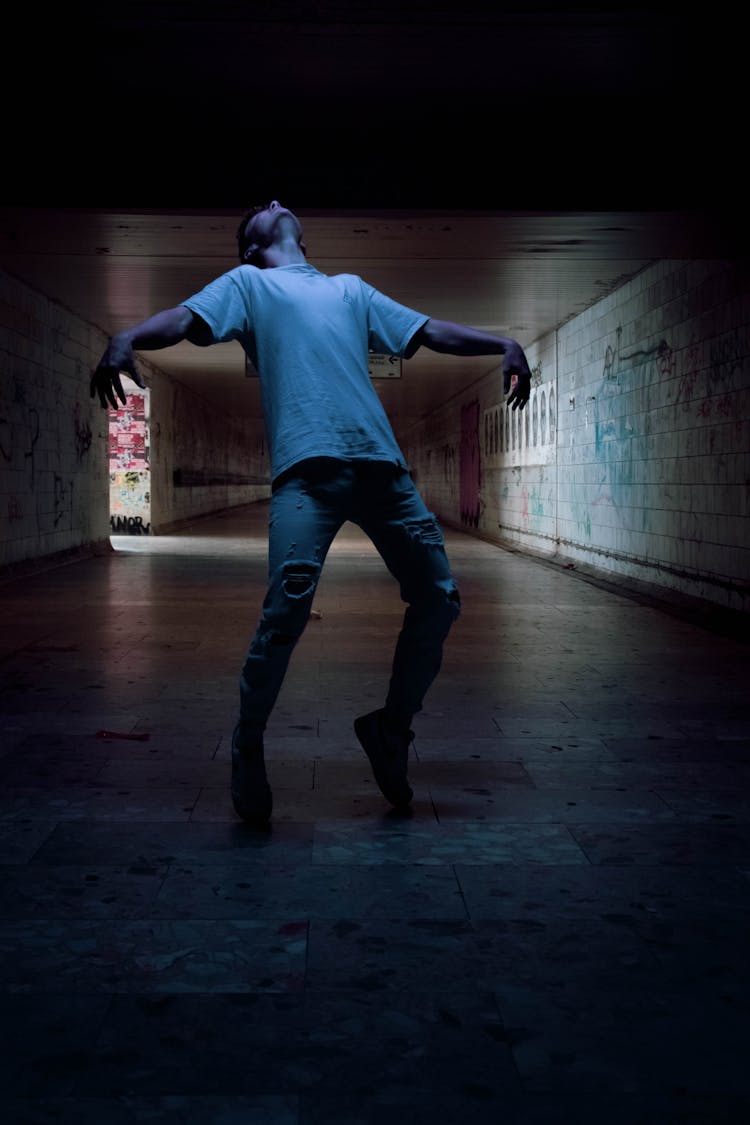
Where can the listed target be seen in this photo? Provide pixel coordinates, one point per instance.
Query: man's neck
(285, 250)
(276, 256)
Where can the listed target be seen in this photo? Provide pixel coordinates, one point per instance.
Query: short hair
(242, 241)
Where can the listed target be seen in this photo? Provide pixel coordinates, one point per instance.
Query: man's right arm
(161, 330)
(458, 339)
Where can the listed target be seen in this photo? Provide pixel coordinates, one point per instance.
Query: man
(334, 458)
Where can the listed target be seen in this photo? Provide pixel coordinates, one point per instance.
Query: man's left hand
(515, 363)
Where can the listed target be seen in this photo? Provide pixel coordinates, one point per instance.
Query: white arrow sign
(379, 366)
(384, 366)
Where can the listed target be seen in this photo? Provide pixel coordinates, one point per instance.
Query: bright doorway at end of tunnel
(129, 463)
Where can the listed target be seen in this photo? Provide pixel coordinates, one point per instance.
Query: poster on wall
(128, 444)
(129, 468)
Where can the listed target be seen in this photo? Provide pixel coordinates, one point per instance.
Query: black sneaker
(389, 757)
(251, 793)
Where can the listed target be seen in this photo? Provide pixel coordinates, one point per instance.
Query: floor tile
(166, 1110)
(84, 891)
(310, 891)
(74, 956)
(555, 932)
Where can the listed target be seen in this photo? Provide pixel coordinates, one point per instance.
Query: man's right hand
(105, 381)
(161, 330)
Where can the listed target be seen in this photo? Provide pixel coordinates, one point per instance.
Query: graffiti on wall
(615, 431)
(618, 363)
(82, 433)
(469, 465)
(727, 354)
(708, 370)
(699, 378)
(62, 499)
(130, 503)
(129, 468)
(42, 459)
(449, 465)
(129, 525)
(19, 434)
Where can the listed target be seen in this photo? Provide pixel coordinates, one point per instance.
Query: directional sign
(379, 366)
(384, 366)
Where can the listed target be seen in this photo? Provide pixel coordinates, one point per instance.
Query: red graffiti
(722, 406)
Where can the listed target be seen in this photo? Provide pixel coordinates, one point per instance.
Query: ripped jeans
(309, 504)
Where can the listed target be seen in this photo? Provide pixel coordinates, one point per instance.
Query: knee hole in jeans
(299, 579)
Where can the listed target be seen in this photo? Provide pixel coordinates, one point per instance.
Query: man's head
(264, 228)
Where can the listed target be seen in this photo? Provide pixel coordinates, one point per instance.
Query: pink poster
(128, 447)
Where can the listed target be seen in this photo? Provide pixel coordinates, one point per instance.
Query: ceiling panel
(504, 166)
(514, 273)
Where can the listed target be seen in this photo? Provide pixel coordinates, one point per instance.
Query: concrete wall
(54, 469)
(633, 456)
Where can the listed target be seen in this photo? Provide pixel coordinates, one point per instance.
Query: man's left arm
(458, 339)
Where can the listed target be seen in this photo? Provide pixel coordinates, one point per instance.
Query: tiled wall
(54, 465)
(643, 468)
(633, 455)
(54, 472)
(654, 434)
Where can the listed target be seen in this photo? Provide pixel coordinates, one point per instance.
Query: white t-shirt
(308, 336)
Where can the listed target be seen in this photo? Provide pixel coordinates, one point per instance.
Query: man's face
(261, 228)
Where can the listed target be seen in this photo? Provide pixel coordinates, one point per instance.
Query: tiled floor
(557, 933)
